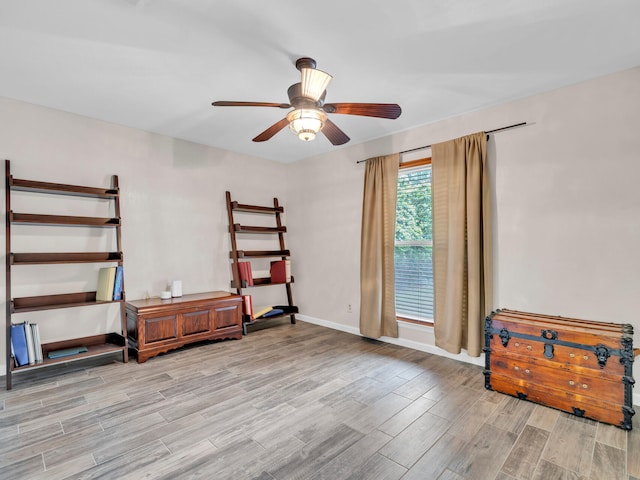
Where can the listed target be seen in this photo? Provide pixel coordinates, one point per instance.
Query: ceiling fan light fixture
(314, 83)
(306, 123)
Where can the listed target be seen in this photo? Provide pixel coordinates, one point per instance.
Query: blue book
(19, 344)
(65, 352)
(272, 313)
(117, 286)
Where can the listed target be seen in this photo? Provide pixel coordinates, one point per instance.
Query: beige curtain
(461, 243)
(377, 278)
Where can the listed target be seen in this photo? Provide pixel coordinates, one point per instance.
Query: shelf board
(261, 253)
(50, 302)
(62, 258)
(239, 207)
(37, 219)
(96, 345)
(261, 282)
(61, 189)
(251, 229)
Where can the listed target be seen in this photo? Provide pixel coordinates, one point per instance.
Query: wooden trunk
(156, 326)
(577, 366)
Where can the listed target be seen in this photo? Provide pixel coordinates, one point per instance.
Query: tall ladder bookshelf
(101, 344)
(237, 255)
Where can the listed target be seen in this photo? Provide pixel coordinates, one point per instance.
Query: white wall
(567, 208)
(172, 205)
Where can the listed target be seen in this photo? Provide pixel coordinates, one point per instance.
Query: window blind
(413, 245)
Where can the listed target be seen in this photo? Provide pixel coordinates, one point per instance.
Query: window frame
(420, 162)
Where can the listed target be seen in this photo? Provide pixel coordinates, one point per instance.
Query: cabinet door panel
(227, 316)
(194, 323)
(158, 329)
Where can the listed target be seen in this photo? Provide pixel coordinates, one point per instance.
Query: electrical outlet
(349, 310)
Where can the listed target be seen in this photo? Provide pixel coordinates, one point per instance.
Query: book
(19, 344)
(37, 344)
(106, 281)
(272, 313)
(244, 268)
(259, 311)
(65, 352)
(247, 305)
(280, 271)
(31, 349)
(117, 284)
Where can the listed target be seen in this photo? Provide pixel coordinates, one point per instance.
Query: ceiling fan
(309, 114)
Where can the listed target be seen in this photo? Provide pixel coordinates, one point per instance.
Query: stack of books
(109, 284)
(264, 311)
(25, 344)
(246, 275)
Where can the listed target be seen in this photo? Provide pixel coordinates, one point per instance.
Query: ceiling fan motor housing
(297, 100)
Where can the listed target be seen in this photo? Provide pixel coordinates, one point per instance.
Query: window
(413, 244)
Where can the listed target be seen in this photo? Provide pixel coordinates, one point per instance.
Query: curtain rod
(488, 132)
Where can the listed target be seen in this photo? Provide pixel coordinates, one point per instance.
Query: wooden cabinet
(156, 326)
(93, 345)
(577, 366)
(238, 255)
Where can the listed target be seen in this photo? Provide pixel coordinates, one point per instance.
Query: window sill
(426, 323)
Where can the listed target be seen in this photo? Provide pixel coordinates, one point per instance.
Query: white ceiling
(157, 65)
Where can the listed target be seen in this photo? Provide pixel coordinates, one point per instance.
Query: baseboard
(328, 324)
(423, 347)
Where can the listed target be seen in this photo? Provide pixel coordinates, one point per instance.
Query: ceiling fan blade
(272, 130)
(250, 104)
(380, 110)
(334, 134)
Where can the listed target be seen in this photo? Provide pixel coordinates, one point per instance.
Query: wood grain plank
(352, 460)
(372, 416)
(24, 468)
(45, 444)
(380, 468)
(484, 453)
(78, 443)
(435, 461)
(164, 464)
(608, 462)
(133, 462)
(571, 443)
(449, 475)
(526, 453)
(633, 445)
(302, 464)
(66, 470)
(612, 436)
(547, 470)
(304, 423)
(455, 404)
(512, 414)
(467, 425)
(406, 416)
(9, 418)
(408, 446)
(418, 386)
(543, 417)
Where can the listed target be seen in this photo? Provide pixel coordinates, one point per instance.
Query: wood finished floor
(294, 402)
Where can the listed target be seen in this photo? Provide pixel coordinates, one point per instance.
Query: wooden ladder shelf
(239, 281)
